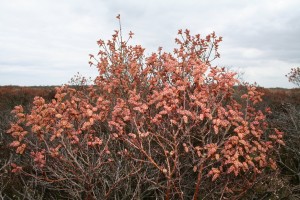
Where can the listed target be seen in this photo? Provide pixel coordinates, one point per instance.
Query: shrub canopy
(168, 125)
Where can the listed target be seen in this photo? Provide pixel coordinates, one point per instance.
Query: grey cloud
(273, 31)
(51, 37)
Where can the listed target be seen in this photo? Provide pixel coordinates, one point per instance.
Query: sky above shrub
(47, 42)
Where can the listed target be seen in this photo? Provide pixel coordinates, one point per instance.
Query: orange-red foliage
(171, 111)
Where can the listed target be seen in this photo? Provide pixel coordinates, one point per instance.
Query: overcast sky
(46, 42)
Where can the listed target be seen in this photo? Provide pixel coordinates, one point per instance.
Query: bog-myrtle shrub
(294, 76)
(166, 125)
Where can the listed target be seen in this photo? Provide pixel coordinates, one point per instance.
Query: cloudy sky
(46, 42)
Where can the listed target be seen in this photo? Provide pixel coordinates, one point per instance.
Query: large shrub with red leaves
(164, 126)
